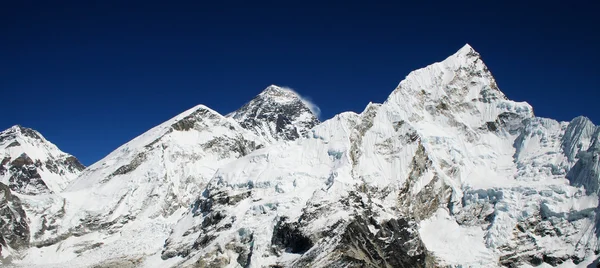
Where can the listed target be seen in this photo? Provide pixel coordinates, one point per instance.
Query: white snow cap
(465, 49)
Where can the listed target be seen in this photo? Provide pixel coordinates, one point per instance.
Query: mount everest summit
(447, 172)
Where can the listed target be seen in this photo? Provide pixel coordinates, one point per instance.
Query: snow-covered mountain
(447, 172)
(144, 186)
(33, 165)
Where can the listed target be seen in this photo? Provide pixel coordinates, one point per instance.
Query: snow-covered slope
(447, 172)
(33, 165)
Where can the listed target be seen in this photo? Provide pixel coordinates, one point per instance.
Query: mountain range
(447, 172)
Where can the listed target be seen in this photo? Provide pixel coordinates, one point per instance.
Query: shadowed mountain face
(447, 172)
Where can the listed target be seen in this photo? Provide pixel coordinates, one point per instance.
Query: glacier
(447, 172)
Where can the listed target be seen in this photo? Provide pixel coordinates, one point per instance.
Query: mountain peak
(466, 49)
(279, 94)
(273, 89)
(20, 131)
(33, 165)
(459, 86)
(466, 56)
(277, 113)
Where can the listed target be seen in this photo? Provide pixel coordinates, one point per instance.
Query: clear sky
(92, 75)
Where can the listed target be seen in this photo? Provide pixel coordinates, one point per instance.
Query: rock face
(447, 172)
(276, 114)
(14, 231)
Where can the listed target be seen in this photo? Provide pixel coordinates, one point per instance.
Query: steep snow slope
(447, 163)
(33, 165)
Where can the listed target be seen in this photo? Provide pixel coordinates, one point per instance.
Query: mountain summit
(447, 172)
(276, 114)
(33, 165)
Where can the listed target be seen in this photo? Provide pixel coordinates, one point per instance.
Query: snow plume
(308, 102)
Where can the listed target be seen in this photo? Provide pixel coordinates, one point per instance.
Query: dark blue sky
(91, 75)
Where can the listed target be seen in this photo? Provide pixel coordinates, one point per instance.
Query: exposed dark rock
(52, 167)
(287, 235)
(51, 222)
(22, 160)
(194, 118)
(508, 121)
(491, 126)
(442, 106)
(201, 242)
(13, 144)
(184, 124)
(135, 163)
(28, 132)
(209, 206)
(14, 230)
(3, 165)
(527, 250)
(396, 244)
(363, 126)
(25, 178)
(205, 203)
(87, 247)
(244, 249)
(73, 164)
(361, 242)
(266, 110)
(224, 147)
(212, 261)
(423, 204)
(7, 136)
(212, 218)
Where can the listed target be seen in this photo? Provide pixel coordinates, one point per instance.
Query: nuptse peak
(447, 172)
